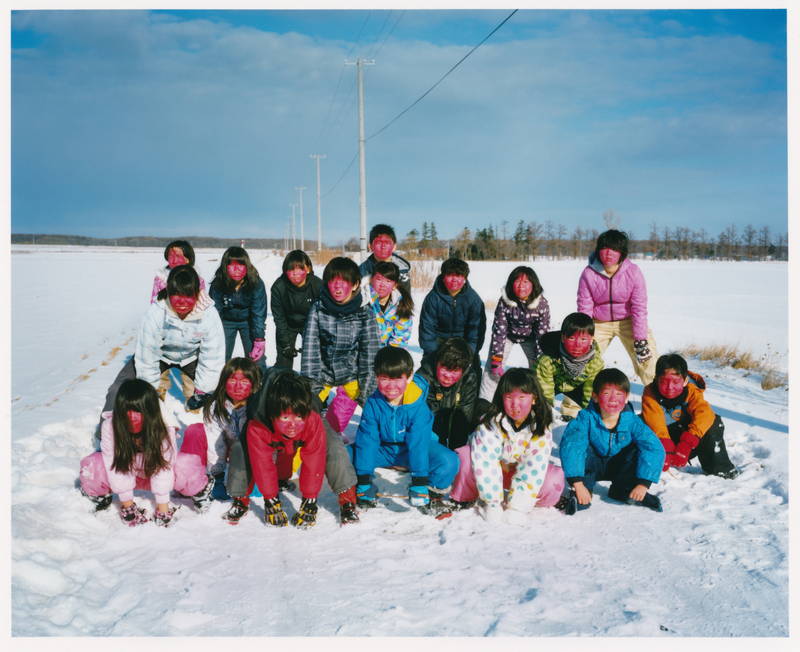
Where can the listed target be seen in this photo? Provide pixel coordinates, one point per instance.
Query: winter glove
(683, 450)
(642, 351)
(273, 512)
(496, 366)
(165, 519)
(306, 516)
(418, 494)
(289, 352)
(196, 401)
(258, 349)
(366, 495)
(133, 515)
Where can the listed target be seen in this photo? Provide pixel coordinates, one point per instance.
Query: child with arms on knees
(674, 407)
(391, 304)
(137, 451)
(608, 441)
(396, 429)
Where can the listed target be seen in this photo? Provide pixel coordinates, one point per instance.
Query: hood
(511, 303)
(597, 266)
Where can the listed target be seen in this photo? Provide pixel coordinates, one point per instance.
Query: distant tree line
(205, 242)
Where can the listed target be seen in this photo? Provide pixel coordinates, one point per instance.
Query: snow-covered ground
(714, 563)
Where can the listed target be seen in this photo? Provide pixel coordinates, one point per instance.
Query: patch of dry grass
(727, 355)
(423, 274)
(322, 258)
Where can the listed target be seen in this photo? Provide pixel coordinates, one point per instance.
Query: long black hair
(215, 408)
(184, 246)
(523, 380)
(235, 255)
(405, 307)
(523, 270)
(140, 396)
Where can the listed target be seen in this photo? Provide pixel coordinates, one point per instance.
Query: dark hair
(523, 380)
(382, 229)
(215, 408)
(393, 361)
(454, 353)
(455, 266)
(140, 396)
(528, 272)
(297, 258)
(182, 280)
(671, 361)
(184, 246)
(288, 392)
(612, 239)
(234, 255)
(611, 376)
(576, 322)
(344, 268)
(405, 307)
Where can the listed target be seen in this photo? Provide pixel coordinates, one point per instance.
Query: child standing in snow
(224, 419)
(382, 243)
(396, 429)
(241, 299)
(177, 252)
(506, 464)
(522, 316)
(340, 342)
(137, 451)
(391, 304)
(292, 296)
(674, 407)
(608, 441)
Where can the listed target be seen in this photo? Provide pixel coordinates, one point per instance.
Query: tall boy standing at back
(382, 242)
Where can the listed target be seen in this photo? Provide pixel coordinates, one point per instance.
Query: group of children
(465, 434)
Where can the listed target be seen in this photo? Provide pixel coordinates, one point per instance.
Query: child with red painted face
(137, 451)
(569, 362)
(177, 252)
(240, 297)
(675, 408)
(391, 303)
(382, 243)
(183, 330)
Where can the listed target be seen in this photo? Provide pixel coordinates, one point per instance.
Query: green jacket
(554, 378)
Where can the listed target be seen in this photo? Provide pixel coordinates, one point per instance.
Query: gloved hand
(306, 516)
(366, 495)
(418, 494)
(133, 515)
(273, 512)
(669, 449)
(688, 442)
(642, 351)
(496, 368)
(289, 351)
(258, 349)
(196, 400)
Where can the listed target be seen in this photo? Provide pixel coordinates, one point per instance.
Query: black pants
(711, 451)
(620, 469)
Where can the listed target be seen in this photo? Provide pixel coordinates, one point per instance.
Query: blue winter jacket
(407, 425)
(443, 316)
(587, 430)
(248, 305)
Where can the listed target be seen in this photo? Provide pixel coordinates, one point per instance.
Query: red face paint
(238, 387)
(392, 388)
(182, 304)
(383, 286)
(611, 400)
(448, 377)
(340, 290)
(671, 384)
(454, 283)
(236, 271)
(289, 425)
(297, 276)
(609, 257)
(517, 405)
(383, 247)
(175, 257)
(577, 344)
(523, 287)
(135, 422)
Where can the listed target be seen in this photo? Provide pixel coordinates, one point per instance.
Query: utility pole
(300, 189)
(362, 163)
(319, 212)
(294, 238)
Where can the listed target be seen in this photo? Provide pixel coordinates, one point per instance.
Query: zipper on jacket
(610, 298)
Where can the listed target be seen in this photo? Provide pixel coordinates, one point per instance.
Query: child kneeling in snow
(608, 441)
(674, 407)
(507, 461)
(137, 451)
(396, 429)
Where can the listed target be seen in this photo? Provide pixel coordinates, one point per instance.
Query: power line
(391, 31)
(442, 78)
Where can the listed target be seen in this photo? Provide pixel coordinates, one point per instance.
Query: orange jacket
(694, 412)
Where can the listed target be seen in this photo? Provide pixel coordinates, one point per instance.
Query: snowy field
(714, 563)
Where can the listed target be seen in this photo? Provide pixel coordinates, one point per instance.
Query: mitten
(688, 442)
(418, 494)
(196, 400)
(133, 515)
(642, 351)
(496, 365)
(273, 512)
(258, 349)
(306, 516)
(366, 495)
(165, 519)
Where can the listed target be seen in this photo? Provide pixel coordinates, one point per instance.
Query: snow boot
(727, 475)
(100, 502)
(202, 499)
(567, 504)
(237, 511)
(437, 506)
(133, 515)
(165, 519)
(347, 506)
(652, 502)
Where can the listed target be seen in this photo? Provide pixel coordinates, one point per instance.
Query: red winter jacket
(268, 467)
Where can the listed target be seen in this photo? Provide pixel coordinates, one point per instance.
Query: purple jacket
(614, 298)
(519, 322)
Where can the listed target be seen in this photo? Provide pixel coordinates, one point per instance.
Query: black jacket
(290, 306)
(249, 304)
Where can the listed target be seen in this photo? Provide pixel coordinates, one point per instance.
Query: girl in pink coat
(137, 451)
(612, 291)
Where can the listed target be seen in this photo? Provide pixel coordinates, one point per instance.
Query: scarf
(339, 309)
(574, 366)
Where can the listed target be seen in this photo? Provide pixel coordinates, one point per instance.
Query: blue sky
(202, 122)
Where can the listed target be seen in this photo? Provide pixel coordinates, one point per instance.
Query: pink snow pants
(189, 473)
(465, 488)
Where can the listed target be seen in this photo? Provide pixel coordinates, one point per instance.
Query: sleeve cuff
(646, 483)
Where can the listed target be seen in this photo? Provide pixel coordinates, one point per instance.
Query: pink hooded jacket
(614, 298)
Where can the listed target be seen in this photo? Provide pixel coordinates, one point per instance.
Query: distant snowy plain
(714, 563)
